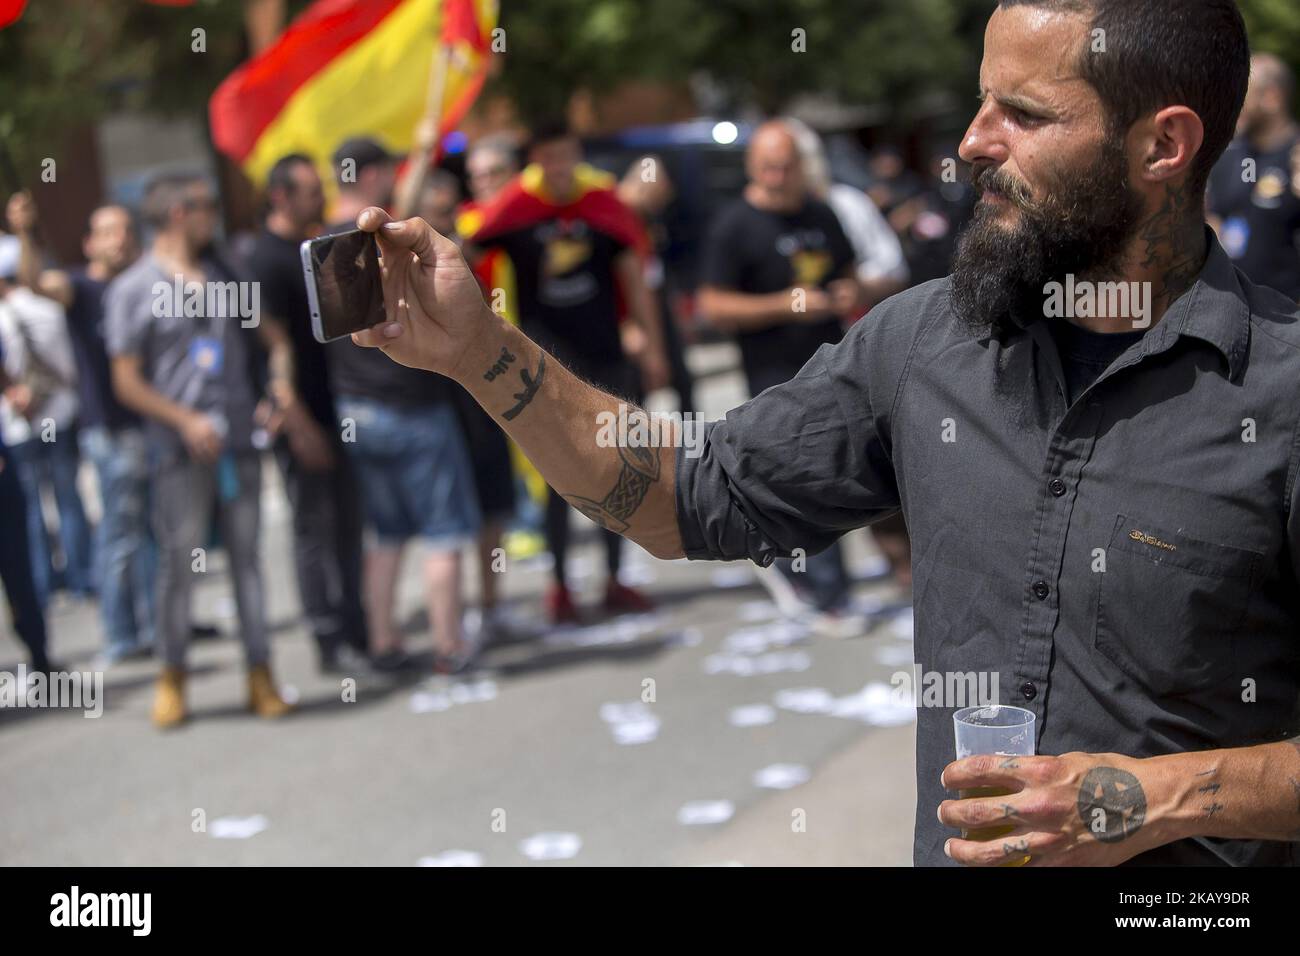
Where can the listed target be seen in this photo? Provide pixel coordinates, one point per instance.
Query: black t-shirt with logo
(566, 288)
(1260, 212)
(760, 252)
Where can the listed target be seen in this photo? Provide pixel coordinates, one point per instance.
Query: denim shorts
(414, 471)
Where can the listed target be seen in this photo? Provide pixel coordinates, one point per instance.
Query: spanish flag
(348, 68)
(524, 202)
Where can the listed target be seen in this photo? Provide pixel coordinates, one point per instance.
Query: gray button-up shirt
(1126, 564)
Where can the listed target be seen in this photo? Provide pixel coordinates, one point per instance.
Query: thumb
(413, 235)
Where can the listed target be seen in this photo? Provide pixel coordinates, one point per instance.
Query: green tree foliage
(68, 61)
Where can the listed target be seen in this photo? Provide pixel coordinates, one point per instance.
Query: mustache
(990, 179)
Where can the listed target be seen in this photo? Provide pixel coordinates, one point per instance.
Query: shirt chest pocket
(1169, 606)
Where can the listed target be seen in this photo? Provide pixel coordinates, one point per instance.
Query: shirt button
(1041, 590)
(1028, 690)
(1056, 486)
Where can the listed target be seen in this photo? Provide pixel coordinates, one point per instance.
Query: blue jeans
(126, 553)
(16, 565)
(414, 472)
(54, 464)
(824, 581)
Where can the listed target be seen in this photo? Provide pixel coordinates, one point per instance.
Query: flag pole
(426, 136)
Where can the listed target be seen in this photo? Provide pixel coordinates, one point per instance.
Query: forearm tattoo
(500, 365)
(639, 471)
(1112, 804)
(532, 383)
(1210, 790)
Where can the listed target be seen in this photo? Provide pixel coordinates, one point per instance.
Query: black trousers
(327, 527)
(16, 566)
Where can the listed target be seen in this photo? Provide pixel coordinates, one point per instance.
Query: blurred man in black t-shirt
(1254, 194)
(319, 477)
(778, 274)
(400, 427)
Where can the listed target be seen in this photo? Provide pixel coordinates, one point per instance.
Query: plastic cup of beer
(993, 729)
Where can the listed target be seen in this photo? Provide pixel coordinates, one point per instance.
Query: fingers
(371, 218)
(992, 770)
(377, 336)
(976, 813)
(412, 235)
(1010, 849)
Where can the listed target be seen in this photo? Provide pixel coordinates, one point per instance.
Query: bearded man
(1100, 486)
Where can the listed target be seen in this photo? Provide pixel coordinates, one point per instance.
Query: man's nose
(983, 141)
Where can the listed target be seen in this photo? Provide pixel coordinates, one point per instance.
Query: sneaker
(620, 599)
(456, 663)
(390, 662)
(560, 607)
(342, 660)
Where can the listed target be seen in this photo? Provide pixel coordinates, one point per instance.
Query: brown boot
(169, 698)
(263, 699)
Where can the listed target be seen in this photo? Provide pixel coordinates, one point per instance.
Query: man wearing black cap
(400, 428)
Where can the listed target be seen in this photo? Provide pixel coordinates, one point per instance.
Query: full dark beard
(1081, 227)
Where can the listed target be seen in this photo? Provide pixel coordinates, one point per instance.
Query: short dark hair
(363, 152)
(281, 174)
(549, 130)
(165, 191)
(1164, 52)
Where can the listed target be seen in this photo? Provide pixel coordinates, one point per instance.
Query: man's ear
(1170, 142)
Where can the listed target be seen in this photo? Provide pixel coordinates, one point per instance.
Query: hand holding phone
(436, 315)
(344, 284)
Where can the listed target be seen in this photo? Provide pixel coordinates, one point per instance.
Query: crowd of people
(176, 406)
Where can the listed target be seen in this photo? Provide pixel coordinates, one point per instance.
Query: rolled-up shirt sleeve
(795, 467)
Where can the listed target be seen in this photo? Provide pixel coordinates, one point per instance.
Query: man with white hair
(882, 269)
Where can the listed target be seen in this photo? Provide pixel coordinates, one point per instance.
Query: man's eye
(1023, 118)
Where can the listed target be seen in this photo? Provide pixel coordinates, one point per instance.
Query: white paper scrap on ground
(747, 665)
(631, 722)
(702, 812)
(636, 732)
(428, 702)
(876, 704)
(623, 631)
(473, 692)
(782, 776)
(237, 828)
(453, 858)
(805, 700)
(551, 846)
(752, 611)
(751, 715)
(738, 577)
(756, 640)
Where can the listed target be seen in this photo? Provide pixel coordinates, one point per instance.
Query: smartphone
(344, 285)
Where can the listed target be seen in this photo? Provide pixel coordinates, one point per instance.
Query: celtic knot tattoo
(640, 470)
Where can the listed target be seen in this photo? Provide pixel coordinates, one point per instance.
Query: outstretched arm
(437, 320)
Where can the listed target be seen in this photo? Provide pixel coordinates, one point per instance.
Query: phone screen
(343, 284)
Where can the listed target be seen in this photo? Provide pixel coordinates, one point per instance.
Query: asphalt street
(709, 732)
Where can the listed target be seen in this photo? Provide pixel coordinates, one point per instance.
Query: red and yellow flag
(348, 68)
(11, 10)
